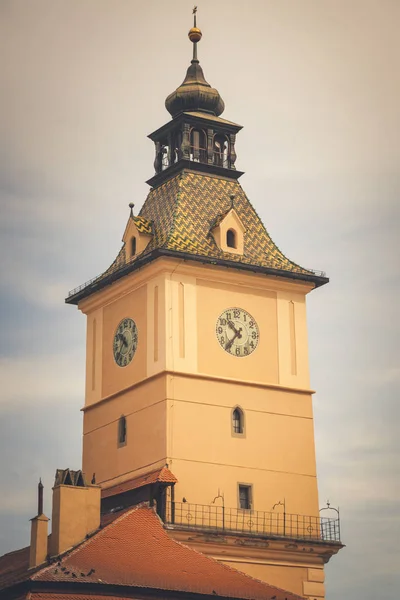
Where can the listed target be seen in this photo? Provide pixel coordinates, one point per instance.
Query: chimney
(39, 526)
(76, 510)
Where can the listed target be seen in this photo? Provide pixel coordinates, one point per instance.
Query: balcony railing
(200, 155)
(215, 518)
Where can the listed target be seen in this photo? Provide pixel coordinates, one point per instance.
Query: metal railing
(252, 522)
(119, 267)
(198, 154)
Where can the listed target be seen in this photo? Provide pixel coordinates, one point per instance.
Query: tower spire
(195, 94)
(195, 35)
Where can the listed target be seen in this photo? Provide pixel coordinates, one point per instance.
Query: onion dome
(195, 93)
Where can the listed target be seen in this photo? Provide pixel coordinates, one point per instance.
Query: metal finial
(195, 34)
(131, 206)
(232, 197)
(93, 482)
(195, 17)
(40, 497)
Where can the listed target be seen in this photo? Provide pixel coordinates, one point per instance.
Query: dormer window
(228, 232)
(231, 240)
(137, 235)
(133, 246)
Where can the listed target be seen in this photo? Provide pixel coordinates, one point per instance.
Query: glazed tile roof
(184, 208)
(136, 551)
(219, 218)
(162, 475)
(182, 212)
(143, 225)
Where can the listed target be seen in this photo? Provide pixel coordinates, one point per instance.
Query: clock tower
(197, 379)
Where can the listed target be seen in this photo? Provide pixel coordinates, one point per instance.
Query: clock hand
(122, 338)
(237, 335)
(231, 325)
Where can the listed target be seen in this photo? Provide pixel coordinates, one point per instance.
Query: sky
(316, 85)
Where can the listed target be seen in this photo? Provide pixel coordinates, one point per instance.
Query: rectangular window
(245, 499)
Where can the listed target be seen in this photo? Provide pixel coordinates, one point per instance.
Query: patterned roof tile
(182, 212)
(143, 225)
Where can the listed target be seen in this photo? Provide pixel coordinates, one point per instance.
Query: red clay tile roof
(13, 566)
(108, 518)
(69, 596)
(162, 475)
(136, 551)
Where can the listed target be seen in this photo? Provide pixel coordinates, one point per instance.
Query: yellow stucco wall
(293, 575)
(215, 297)
(179, 391)
(132, 305)
(75, 513)
(181, 386)
(144, 408)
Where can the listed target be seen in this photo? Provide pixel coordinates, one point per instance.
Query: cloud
(317, 87)
(43, 379)
(40, 435)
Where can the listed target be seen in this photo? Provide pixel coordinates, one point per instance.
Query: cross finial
(195, 35)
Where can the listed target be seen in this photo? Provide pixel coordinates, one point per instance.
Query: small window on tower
(122, 431)
(245, 499)
(237, 421)
(231, 238)
(133, 247)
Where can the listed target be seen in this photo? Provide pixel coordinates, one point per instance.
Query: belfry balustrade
(274, 524)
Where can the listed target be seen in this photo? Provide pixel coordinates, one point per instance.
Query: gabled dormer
(229, 232)
(137, 235)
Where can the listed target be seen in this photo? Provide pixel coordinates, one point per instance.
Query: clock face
(237, 332)
(125, 342)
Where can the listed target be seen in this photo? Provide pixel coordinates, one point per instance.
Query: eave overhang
(189, 165)
(195, 118)
(85, 291)
(99, 589)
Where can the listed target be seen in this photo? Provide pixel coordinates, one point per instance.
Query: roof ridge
(13, 552)
(269, 235)
(176, 208)
(80, 545)
(149, 521)
(146, 474)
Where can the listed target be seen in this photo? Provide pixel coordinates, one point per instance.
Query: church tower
(197, 380)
